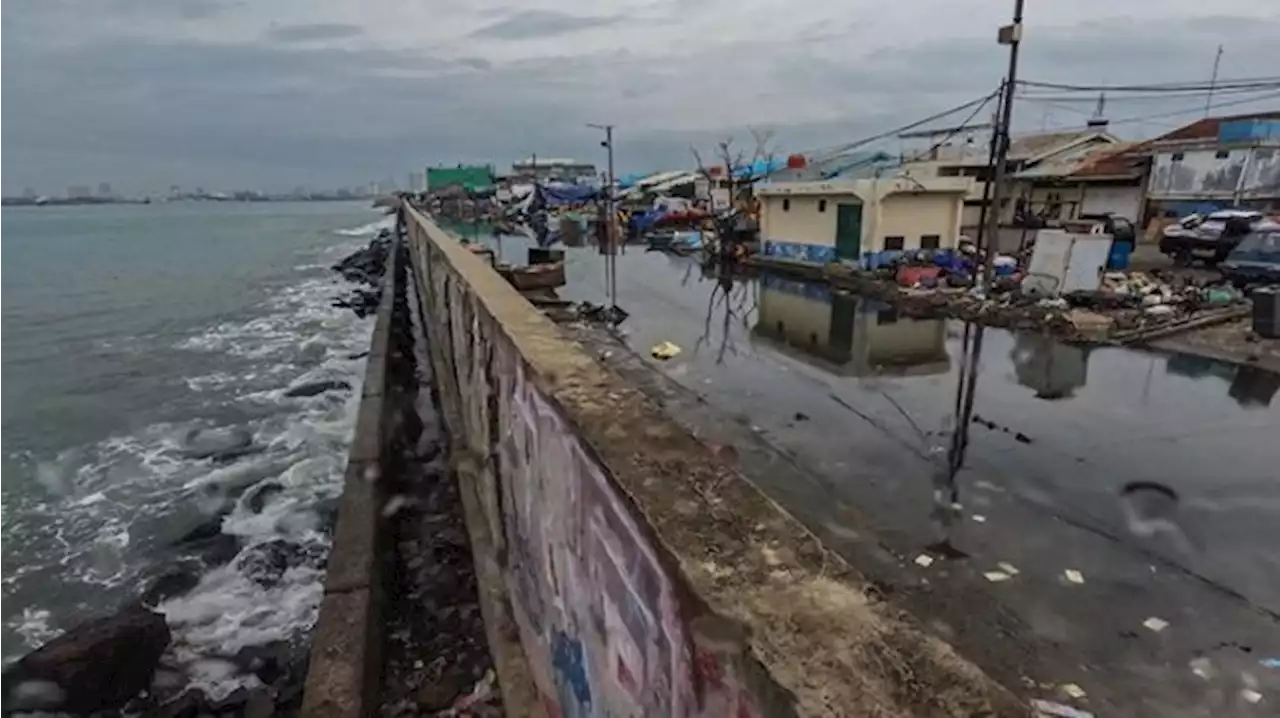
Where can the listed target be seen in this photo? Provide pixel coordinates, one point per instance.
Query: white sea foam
(370, 229)
(96, 494)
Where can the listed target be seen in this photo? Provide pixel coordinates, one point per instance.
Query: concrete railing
(345, 669)
(629, 571)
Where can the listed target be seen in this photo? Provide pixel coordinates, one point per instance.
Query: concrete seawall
(625, 570)
(346, 661)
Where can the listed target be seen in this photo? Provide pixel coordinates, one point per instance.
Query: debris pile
(1126, 306)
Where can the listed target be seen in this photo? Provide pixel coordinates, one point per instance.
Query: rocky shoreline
(125, 662)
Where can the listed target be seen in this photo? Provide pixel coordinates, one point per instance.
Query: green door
(848, 231)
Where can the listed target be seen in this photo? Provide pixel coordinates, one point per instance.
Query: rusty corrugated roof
(1126, 159)
(1034, 145)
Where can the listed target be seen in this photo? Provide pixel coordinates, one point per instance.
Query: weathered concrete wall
(643, 576)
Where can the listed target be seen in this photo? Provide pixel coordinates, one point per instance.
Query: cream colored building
(972, 159)
(847, 335)
(857, 219)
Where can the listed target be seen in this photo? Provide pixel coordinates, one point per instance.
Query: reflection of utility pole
(1010, 35)
(946, 488)
(1208, 101)
(611, 252)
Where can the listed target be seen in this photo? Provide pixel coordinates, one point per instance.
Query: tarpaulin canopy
(761, 168)
(560, 195)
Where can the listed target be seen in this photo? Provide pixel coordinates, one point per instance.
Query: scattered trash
(1058, 710)
(996, 576)
(664, 350)
(1007, 568)
(1159, 310)
(1073, 691)
(924, 560)
(1251, 695)
(1202, 667)
(1156, 624)
(1269, 662)
(1074, 576)
(979, 518)
(484, 691)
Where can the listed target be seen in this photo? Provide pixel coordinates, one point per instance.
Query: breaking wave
(370, 229)
(113, 514)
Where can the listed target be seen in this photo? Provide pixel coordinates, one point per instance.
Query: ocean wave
(370, 229)
(110, 510)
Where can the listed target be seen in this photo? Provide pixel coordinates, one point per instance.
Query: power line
(1156, 97)
(841, 149)
(1193, 110)
(962, 126)
(1253, 82)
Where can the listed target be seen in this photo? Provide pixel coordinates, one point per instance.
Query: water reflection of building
(845, 334)
(1250, 386)
(1053, 369)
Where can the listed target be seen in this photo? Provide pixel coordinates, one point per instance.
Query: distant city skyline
(107, 189)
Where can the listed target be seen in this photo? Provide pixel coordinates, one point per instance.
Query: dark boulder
(312, 388)
(265, 563)
(219, 444)
(174, 581)
(208, 528)
(96, 666)
(216, 551)
(190, 704)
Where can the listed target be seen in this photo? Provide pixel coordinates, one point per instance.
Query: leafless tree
(734, 160)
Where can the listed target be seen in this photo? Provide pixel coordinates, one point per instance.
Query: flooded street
(1100, 517)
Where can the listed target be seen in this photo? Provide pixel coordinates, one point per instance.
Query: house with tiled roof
(1087, 180)
(949, 155)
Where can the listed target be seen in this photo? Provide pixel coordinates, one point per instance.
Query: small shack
(855, 220)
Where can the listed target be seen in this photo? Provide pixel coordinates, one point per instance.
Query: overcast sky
(232, 93)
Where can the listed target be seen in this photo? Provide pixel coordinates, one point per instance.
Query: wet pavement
(1149, 477)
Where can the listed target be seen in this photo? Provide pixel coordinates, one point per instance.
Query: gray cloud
(230, 109)
(540, 23)
(314, 32)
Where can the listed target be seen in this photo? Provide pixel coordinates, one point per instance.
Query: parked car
(1256, 259)
(1207, 239)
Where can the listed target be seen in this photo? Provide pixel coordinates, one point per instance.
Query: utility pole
(1208, 101)
(1010, 35)
(985, 211)
(611, 253)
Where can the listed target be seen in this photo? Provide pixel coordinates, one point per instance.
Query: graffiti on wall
(598, 615)
(589, 595)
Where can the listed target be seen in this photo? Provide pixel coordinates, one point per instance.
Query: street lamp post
(611, 259)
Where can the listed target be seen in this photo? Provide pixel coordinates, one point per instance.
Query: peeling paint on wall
(1215, 172)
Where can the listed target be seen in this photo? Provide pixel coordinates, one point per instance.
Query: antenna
(1099, 119)
(1208, 101)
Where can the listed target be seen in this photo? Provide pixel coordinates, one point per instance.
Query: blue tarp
(760, 168)
(645, 220)
(559, 195)
(630, 180)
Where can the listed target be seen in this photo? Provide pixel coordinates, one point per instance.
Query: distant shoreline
(73, 202)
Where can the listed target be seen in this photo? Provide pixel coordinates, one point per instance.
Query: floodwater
(1066, 495)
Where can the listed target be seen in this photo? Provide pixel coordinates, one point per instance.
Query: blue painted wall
(799, 252)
